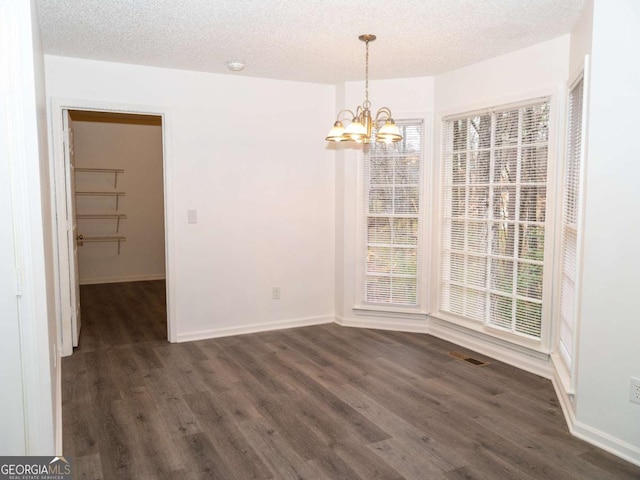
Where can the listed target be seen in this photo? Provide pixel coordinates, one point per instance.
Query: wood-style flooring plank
(203, 460)
(284, 415)
(609, 466)
(336, 416)
(87, 467)
(150, 444)
(410, 460)
(366, 464)
(335, 467)
(81, 431)
(225, 436)
(277, 453)
(314, 403)
(179, 419)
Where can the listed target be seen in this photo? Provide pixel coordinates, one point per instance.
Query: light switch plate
(192, 216)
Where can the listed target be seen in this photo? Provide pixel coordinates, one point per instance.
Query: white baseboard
(520, 357)
(131, 278)
(58, 408)
(254, 328)
(402, 325)
(620, 448)
(565, 398)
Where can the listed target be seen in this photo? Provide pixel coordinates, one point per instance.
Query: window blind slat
(392, 217)
(570, 213)
(494, 199)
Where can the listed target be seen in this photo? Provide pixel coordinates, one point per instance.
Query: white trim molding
(532, 361)
(505, 351)
(567, 400)
(393, 322)
(58, 410)
(254, 328)
(361, 306)
(600, 439)
(56, 147)
(379, 311)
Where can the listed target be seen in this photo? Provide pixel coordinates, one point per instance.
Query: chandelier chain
(366, 104)
(364, 126)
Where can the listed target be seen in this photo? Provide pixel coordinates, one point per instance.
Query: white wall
(45, 383)
(30, 359)
(610, 328)
(249, 155)
(581, 38)
(339, 260)
(512, 74)
(136, 148)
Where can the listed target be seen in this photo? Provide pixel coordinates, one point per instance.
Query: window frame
(567, 373)
(553, 95)
(419, 311)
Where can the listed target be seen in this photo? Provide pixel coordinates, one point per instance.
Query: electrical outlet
(634, 393)
(275, 293)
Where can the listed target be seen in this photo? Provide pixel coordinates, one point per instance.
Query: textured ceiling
(304, 40)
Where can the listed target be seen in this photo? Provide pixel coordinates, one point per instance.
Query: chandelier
(362, 123)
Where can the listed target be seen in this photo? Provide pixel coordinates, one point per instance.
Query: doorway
(110, 184)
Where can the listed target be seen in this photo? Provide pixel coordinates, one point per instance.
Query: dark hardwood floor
(322, 402)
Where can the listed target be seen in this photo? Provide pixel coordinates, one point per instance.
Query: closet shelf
(114, 171)
(106, 194)
(103, 194)
(103, 216)
(108, 216)
(111, 238)
(100, 170)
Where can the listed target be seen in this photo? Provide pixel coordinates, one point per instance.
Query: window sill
(390, 312)
(533, 345)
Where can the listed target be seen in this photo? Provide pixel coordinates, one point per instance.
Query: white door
(72, 226)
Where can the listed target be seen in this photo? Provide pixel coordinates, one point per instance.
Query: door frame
(72, 230)
(60, 203)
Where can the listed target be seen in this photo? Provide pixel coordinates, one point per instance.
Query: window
(393, 201)
(494, 213)
(570, 222)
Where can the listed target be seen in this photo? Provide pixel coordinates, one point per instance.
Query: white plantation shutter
(393, 199)
(570, 221)
(494, 214)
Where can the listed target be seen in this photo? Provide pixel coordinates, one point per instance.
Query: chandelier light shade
(360, 130)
